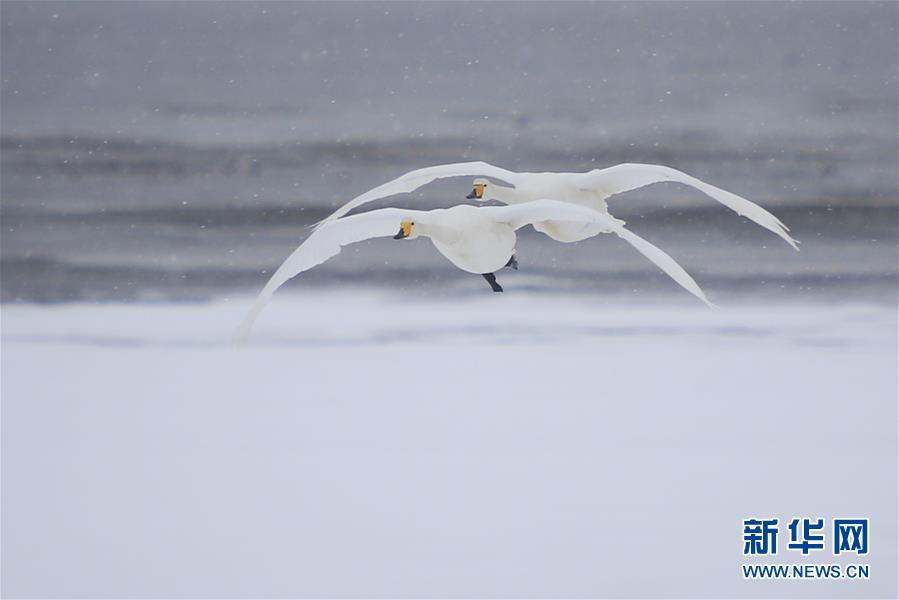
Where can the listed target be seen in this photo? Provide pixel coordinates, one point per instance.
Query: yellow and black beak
(477, 192)
(405, 230)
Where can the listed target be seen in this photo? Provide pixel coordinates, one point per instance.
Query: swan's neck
(438, 232)
(506, 195)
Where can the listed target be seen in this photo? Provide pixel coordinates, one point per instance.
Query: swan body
(558, 186)
(469, 238)
(475, 239)
(590, 189)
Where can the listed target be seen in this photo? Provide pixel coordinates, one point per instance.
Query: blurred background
(161, 151)
(394, 429)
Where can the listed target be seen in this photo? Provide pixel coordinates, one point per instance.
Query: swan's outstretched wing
(528, 213)
(664, 262)
(413, 180)
(325, 243)
(630, 176)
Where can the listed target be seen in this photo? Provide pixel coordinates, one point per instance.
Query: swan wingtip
(238, 340)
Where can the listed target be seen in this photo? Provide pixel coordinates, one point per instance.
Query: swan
(478, 240)
(590, 189)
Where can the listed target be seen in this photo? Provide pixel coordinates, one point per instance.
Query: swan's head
(407, 231)
(479, 190)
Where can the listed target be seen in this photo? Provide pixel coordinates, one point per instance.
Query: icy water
(176, 151)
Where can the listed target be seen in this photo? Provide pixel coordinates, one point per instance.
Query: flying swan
(589, 189)
(479, 240)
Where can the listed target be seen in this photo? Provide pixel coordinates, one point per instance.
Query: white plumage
(589, 189)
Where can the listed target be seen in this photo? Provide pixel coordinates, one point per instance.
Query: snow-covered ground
(366, 445)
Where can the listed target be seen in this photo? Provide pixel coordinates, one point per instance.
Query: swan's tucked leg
(491, 279)
(512, 264)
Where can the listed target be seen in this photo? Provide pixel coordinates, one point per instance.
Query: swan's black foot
(491, 279)
(513, 263)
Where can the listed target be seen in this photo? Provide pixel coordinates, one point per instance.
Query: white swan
(476, 239)
(586, 189)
